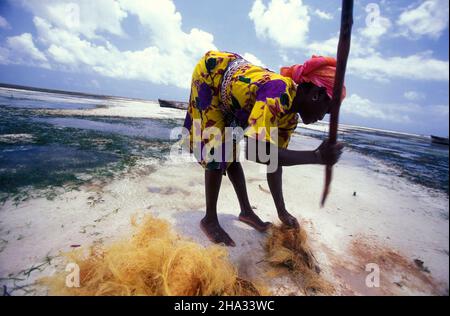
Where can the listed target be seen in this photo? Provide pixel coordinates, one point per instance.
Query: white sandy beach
(389, 222)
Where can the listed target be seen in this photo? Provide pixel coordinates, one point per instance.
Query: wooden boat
(439, 140)
(173, 104)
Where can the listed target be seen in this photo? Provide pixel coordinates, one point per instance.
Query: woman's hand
(328, 154)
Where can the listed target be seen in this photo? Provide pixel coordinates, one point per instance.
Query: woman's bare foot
(215, 233)
(250, 218)
(288, 220)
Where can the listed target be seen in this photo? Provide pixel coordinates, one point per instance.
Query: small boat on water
(439, 140)
(173, 104)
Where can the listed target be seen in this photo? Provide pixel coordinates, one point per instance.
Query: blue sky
(397, 75)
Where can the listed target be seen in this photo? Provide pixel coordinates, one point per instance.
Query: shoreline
(10, 86)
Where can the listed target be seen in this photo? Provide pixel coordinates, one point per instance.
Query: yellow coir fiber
(288, 248)
(155, 261)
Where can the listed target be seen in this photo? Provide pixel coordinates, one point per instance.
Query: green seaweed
(56, 157)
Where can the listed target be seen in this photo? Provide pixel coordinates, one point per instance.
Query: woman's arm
(324, 154)
(287, 157)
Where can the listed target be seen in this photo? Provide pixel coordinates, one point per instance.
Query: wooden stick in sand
(342, 56)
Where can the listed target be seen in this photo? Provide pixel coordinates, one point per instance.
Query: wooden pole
(342, 57)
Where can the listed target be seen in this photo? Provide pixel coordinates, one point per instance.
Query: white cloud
(286, 22)
(61, 55)
(253, 59)
(84, 17)
(4, 23)
(429, 18)
(414, 95)
(421, 66)
(367, 63)
(362, 107)
(326, 47)
(164, 25)
(406, 113)
(359, 47)
(21, 50)
(323, 15)
(169, 58)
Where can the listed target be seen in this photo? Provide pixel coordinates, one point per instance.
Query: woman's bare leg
(210, 223)
(275, 181)
(237, 178)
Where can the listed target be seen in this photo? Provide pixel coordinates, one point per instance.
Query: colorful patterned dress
(228, 91)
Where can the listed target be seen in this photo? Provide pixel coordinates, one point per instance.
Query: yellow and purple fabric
(228, 91)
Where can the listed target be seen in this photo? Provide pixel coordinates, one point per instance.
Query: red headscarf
(318, 70)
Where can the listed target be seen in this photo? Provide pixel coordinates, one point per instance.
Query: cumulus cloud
(164, 25)
(85, 17)
(429, 18)
(24, 43)
(4, 23)
(169, 58)
(22, 50)
(253, 59)
(285, 22)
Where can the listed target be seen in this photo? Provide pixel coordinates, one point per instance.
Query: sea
(40, 149)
